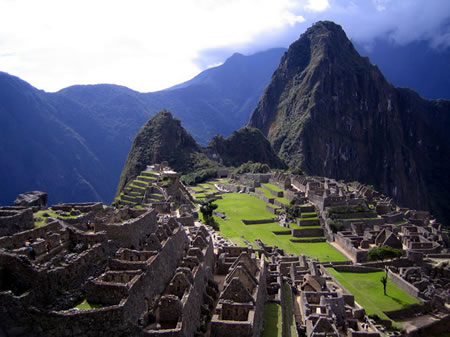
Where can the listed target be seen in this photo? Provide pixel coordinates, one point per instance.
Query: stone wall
(432, 329)
(364, 334)
(412, 310)
(18, 240)
(81, 206)
(258, 222)
(186, 220)
(358, 215)
(307, 232)
(232, 328)
(357, 254)
(308, 222)
(131, 233)
(261, 296)
(357, 269)
(15, 219)
(403, 284)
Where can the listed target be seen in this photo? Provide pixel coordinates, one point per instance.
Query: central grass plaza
(238, 206)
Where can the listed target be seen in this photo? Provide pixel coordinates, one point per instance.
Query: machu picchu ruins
(150, 266)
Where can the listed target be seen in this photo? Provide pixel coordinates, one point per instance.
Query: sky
(149, 45)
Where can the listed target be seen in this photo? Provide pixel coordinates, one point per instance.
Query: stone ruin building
(155, 270)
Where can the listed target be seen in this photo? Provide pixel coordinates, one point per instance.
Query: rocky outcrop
(32, 199)
(331, 112)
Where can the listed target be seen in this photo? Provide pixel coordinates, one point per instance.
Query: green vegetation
(383, 253)
(52, 214)
(238, 206)
(288, 317)
(368, 292)
(243, 146)
(251, 167)
(273, 187)
(207, 208)
(384, 280)
(199, 176)
(85, 305)
(272, 320)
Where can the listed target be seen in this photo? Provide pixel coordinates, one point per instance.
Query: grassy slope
(368, 292)
(238, 206)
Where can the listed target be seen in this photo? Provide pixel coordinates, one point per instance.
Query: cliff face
(331, 112)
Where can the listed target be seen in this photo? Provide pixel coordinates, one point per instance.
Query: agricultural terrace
(368, 292)
(238, 206)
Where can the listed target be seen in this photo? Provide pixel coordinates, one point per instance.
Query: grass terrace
(368, 292)
(266, 193)
(52, 214)
(273, 187)
(296, 226)
(238, 206)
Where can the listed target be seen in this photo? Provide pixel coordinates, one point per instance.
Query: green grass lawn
(368, 292)
(272, 320)
(238, 206)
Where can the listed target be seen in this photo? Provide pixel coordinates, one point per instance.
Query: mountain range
(73, 143)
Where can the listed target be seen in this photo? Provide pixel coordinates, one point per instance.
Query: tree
(383, 253)
(207, 208)
(384, 281)
(292, 211)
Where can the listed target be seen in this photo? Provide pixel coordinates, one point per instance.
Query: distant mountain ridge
(73, 143)
(332, 113)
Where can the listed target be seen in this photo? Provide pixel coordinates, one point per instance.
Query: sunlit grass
(368, 291)
(238, 206)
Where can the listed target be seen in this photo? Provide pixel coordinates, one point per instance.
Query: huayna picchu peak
(332, 113)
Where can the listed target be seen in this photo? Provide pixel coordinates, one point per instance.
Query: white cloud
(317, 5)
(146, 45)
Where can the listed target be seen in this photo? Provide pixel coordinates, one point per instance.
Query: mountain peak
(161, 138)
(332, 113)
